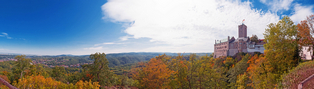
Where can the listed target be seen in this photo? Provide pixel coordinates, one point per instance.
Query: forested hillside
(116, 59)
(279, 67)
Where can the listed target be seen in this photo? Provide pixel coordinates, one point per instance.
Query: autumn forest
(279, 67)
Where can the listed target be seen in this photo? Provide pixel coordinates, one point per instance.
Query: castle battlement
(232, 46)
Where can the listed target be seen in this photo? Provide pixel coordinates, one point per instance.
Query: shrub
(298, 74)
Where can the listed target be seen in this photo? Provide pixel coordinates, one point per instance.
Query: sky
(83, 27)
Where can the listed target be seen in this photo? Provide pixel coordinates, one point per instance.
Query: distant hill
(115, 59)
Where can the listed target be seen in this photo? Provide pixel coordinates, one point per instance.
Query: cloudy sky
(82, 27)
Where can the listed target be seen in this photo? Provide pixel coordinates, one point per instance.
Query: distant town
(49, 62)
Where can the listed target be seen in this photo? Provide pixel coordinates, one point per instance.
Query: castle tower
(242, 31)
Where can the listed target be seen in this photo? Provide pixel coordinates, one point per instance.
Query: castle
(232, 46)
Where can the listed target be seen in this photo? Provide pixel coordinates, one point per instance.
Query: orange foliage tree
(257, 71)
(305, 32)
(153, 74)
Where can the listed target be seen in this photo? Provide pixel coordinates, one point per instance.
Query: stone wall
(232, 52)
(221, 49)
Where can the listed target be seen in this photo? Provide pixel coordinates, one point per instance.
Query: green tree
(238, 69)
(254, 38)
(59, 73)
(99, 70)
(74, 77)
(37, 69)
(179, 78)
(192, 70)
(22, 64)
(195, 73)
(281, 48)
(229, 62)
(242, 81)
(207, 76)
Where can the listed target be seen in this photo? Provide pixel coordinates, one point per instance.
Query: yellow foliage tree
(87, 85)
(40, 82)
(257, 71)
(281, 49)
(241, 81)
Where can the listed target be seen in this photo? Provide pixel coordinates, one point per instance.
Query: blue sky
(56, 27)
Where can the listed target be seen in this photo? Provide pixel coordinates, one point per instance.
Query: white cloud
(301, 12)
(124, 38)
(277, 5)
(94, 48)
(107, 43)
(6, 50)
(5, 35)
(190, 25)
(263, 1)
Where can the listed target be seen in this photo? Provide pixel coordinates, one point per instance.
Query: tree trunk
(99, 73)
(7, 84)
(21, 74)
